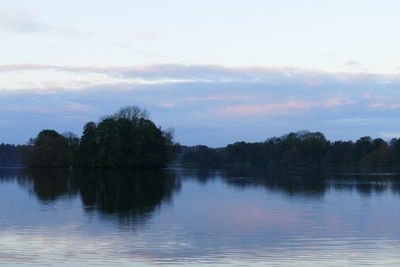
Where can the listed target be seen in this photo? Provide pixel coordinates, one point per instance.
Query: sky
(217, 71)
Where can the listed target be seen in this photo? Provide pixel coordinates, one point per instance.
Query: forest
(298, 150)
(128, 138)
(9, 155)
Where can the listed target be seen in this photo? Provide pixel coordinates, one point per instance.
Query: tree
(9, 156)
(87, 149)
(125, 139)
(49, 149)
(300, 150)
(131, 113)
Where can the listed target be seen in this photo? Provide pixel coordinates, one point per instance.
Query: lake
(197, 217)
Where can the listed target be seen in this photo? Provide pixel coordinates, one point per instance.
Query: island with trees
(129, 139)
(126, 139)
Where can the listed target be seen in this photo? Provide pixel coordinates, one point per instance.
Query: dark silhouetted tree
(49, 149)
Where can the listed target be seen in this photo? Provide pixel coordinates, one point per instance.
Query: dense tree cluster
(9, 155)
(300, 149)
(125, 139)
(50, 149)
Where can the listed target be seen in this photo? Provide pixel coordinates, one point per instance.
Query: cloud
(20, 21)
(384, 105)
(353, 121)
(269, 108)
(143, 35)
(219, 97)
(166, 105)
(380, 97)
(356, 66)
(74, 107)
(150, 54)
(52, 77)
(75, 117)
(337, 102)
(203, 102)
(212, 73)
(390, 134)
(287, 108)
(24, 26)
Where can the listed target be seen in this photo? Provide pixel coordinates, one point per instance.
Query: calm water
(147, 218)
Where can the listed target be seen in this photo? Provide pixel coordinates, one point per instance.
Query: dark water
(147, 218)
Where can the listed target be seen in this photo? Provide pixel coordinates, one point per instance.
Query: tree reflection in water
(130, 196)
(303, 183)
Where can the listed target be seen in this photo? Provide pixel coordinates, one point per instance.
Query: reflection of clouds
(252, 216)
(57, 246)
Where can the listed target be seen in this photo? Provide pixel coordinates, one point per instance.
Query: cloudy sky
(217, 71)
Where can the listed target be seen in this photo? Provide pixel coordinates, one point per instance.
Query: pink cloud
(390, 134)
(43, 109)
(380, 97)
(315, 83)
(166, 105)
(269, 108)
(219, 97)
(377, 105)
(288, 107)
(338, 101)
(384, 105)
(27, 108)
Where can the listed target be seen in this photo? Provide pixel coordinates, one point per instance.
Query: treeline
(127, 138)
(300, 150)
(9, 156)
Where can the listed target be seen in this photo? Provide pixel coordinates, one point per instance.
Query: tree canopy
(50, 149)
(300, 150)
(128, 138)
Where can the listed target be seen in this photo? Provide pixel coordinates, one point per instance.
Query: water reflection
(135, 193)
(305, 184)
(8, 174)
(217, 217)
(48, 185)
(129, 196)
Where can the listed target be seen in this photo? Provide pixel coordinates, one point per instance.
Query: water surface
(197, 217)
